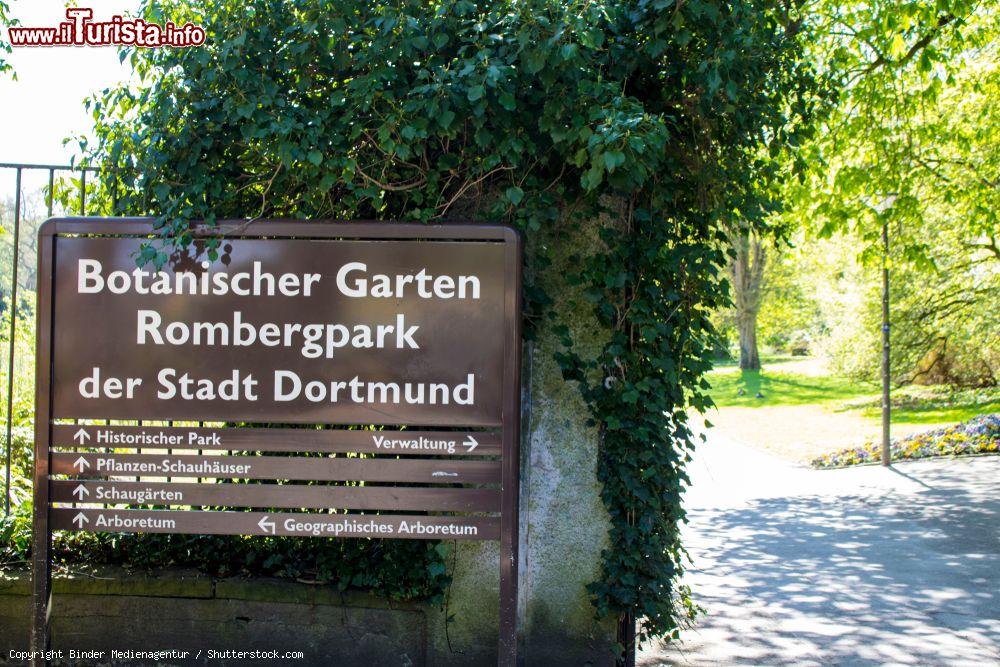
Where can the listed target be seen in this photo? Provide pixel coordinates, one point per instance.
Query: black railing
(81, 209)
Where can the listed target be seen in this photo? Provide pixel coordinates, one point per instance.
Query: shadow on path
(864, 573)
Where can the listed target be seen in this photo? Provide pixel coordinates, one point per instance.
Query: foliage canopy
(912, 142)
(910, 130)
(664, 115)
(5, 22)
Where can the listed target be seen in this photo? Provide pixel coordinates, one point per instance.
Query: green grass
(782, 388)
(782, 382)
(942, 416)
(934, 405)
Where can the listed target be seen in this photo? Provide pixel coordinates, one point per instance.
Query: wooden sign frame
(454, 456)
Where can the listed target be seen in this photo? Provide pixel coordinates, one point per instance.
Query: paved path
(864, 566)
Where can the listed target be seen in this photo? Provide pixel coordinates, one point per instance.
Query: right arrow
(81, 435)
(265, 525)
(81, 491)
(470, 442)
(79, 520)
(81, 463)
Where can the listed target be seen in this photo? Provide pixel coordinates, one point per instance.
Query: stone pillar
(564, 525)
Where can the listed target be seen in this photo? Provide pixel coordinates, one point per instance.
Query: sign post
(387, 352)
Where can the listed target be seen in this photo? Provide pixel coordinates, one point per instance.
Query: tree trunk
(746, 269)
(749, 356)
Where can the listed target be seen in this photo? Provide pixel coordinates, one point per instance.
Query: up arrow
(81, 436)
(471, 443)
(81, 463)
(81, 491)
(80, 519)
(265, 525)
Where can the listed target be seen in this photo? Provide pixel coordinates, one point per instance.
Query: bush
(24, 361)
(661, 119)
(358, 564)
(944, 326)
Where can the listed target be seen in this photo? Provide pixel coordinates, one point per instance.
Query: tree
(913, 122)
(32, 215)
(651, 115)
(5, 22)
(790, 318)
(746, 270)
(900, 71)
(944, 323)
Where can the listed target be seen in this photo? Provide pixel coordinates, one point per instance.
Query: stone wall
(564, 525)
(186, 610)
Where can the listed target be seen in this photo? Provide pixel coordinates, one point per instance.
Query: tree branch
(992, 246)
(916, 48)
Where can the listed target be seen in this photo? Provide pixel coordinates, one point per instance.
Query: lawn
(784, 382)
(804, 412)
(933, 405)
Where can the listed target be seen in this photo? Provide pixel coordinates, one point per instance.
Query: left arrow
(265, 525)
(80, 519)
(81, 463)
(81, 436)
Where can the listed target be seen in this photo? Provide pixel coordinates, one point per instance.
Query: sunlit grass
(938, 416)
(781, 387)
(796, 382)
(934, 405)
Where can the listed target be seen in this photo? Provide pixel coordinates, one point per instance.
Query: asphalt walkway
(863, 566)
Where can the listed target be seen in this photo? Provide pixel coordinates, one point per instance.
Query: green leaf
(593, 177)
(445, 118)
(898, 46)
(613, 160)
(534, 61)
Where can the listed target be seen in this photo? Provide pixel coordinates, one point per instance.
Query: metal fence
(20, 170)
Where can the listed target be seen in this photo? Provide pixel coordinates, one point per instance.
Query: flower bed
(975, 437)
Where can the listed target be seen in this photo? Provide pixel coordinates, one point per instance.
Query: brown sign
(368, 497)
(314, 331)
(403, 443)
(421, 471)
(259, 523)
(390, 352)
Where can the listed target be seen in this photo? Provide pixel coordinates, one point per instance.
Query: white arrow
(81, 435)
(81, 463)
(79, 520)
(81, 491)
(265, 525)
(470, 442)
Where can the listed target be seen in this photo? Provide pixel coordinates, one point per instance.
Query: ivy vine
(671, 110)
